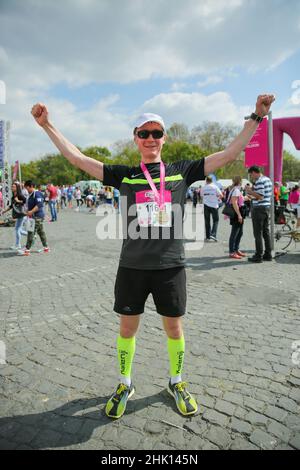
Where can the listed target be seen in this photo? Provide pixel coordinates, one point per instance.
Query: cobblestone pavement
(59, 329)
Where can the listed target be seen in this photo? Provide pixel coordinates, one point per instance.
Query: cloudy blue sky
(97, 64)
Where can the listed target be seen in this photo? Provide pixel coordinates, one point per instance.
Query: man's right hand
(40, 114)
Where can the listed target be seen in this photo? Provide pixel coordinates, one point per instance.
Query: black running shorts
(167, 286)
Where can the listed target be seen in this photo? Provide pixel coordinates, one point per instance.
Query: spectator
(70, 197)
(277, 193)
(89, 198)
(199, 195)
(108, 195)
(116, 194)
(78, 199)
(17, 206)
(195, 198)
(236, 199)
(211, 195)
(101, 195)
(52, 194)
(63, 196)
(35, 205)
(261, 204)
(294, 201)
(284, 195)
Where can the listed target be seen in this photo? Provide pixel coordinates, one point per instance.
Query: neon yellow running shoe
(185, 403)
(116, 405)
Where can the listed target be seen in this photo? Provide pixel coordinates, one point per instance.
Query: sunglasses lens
(143, 134)
(156, 134)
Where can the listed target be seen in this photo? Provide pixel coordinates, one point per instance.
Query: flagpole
(20, 174)
(271, 169)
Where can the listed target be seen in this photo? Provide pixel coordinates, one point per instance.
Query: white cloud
(78, 42)
(193, 108)
(212, 80)
(295, 98)
(178, 86)
(100, 125)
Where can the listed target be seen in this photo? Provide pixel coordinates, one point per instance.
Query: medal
(163, 217)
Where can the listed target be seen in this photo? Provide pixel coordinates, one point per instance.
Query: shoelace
(122, 388)
(119, 391)
(181, 386)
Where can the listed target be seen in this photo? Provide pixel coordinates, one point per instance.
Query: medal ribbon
(159, 197)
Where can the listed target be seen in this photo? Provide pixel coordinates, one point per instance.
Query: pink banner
(257, 151)
(16, 167)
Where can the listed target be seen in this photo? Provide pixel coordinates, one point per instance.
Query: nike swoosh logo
(134, 176)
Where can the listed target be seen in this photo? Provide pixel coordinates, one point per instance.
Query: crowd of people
(61, 197)
(254, 201)
(212, 195)
(28, 212)
(30, 205)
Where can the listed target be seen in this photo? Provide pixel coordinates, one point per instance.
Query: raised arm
(68, 150)
(232, 151)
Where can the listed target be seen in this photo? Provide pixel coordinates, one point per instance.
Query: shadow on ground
(288, 258)
(61, 427)
(207, 263)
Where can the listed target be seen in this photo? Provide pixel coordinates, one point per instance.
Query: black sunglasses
(144, 134)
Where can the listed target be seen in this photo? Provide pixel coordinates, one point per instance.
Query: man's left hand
(263, 104)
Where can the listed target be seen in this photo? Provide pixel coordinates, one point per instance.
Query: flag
(15, 172)
(257, 151)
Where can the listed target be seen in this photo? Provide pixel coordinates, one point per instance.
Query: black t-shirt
(152, 247)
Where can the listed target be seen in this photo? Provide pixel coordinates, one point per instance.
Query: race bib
(148, 211)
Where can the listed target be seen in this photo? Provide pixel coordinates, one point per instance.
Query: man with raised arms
(154, 261)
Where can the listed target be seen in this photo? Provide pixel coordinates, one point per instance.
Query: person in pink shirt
(52, 191)
(294, 201)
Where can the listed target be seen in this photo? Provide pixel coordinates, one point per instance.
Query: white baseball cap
(149, 117)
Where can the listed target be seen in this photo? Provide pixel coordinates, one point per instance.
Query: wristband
(256, 117)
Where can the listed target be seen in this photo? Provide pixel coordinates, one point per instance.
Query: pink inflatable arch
(257, 152)
(290, 126)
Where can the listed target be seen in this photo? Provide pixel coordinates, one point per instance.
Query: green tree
(178, 132)
(178, 150)
(128, 156)
(233, 169)
(120, 145)
(291, 167)
(213, 136)
(209, 138)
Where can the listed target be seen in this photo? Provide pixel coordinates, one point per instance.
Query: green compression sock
(176, 355)
(126, 350)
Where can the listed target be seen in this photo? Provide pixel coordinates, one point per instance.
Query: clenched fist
(40, 114)
(263, 104)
